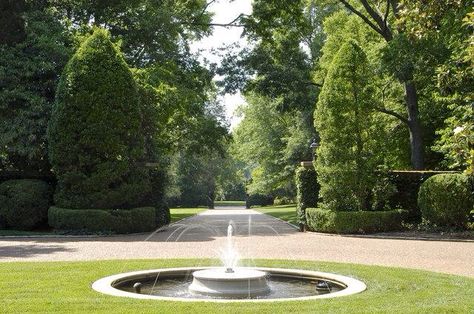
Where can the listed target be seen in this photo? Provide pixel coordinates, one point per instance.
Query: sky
(224, 12)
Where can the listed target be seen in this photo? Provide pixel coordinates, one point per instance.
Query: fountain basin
(171, 284)
(241, 282)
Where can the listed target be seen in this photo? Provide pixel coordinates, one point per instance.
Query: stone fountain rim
(105, 285)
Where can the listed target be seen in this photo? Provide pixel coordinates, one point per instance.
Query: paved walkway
(257, 236)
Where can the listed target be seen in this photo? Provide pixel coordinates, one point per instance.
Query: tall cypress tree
(344, 118)
(94, 133)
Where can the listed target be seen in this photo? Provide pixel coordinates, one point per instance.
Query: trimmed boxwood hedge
(307, 191)
(323, 220)
(446, 200)
(24, 203)
(103, 220)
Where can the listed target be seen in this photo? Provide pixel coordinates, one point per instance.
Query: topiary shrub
(446, 200)
(95, 138)
(103, 220)
(24, 203)
(259, 200)
(346, 157)
(323, 220)
(307, 192)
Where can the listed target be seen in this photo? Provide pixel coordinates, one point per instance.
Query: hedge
(140, 219)
(24, 203)
(307, 191)
(323, 220)
(258, 200)
(446, 200)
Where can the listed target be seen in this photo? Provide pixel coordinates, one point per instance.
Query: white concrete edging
(353, 286)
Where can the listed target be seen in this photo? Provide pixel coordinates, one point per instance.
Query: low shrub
(307, 191)
(259, 200)
(407, 185)
(24, 203)
(140, 219)
(323, 220)
(446, 200)
(283, 200)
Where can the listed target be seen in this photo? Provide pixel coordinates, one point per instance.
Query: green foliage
(346, 158)
(455, 81)
(307, 191)
(95, 136)
(259, 200)
(437, 33)
(151, 31)
(447, 200)
(262, 141)
(34, 48)
(196, 177)
(104, 221)
(323, 220)
(282, 200)
(24, 203)
(156, 196)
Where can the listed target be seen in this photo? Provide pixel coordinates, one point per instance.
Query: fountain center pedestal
(242, 282)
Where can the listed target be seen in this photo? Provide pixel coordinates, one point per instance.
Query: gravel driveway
(256, 236)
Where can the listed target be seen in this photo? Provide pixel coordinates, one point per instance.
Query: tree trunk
(414, 127)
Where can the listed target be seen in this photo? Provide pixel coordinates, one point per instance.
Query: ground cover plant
(390, 290)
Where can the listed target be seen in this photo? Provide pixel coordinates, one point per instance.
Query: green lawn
(65, 287)
(181, 213)
(284, 212)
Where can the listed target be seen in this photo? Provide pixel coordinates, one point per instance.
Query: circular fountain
(229, 283)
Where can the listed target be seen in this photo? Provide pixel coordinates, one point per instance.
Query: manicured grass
(284, 212)
(181, 213)
(229, 203)
(65, 287)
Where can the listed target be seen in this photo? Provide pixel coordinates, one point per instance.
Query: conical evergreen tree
(94, 133)
(344, 118)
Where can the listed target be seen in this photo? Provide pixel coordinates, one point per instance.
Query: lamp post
(313, 147)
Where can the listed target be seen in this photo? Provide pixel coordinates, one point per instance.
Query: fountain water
(230, 281)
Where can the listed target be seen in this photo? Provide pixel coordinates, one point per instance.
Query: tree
(260, 142)
(346, 157)
(448, 23)
(34, 48)
(94, 133)
(379, 20)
